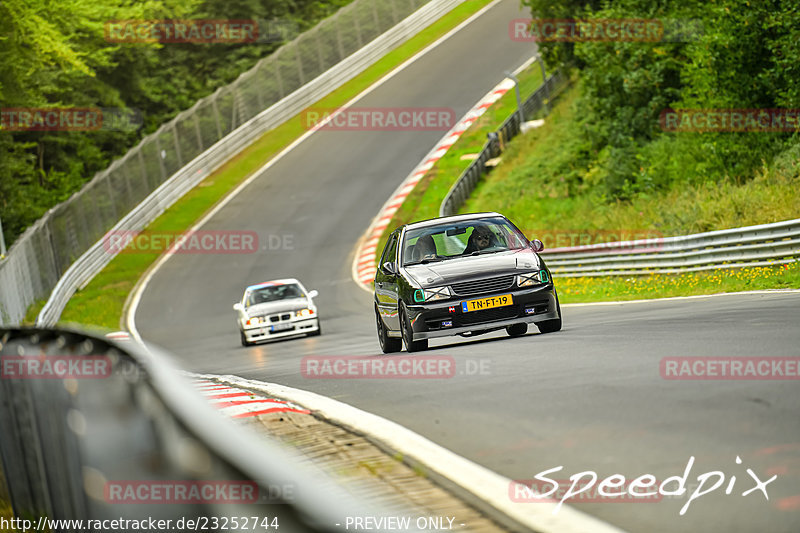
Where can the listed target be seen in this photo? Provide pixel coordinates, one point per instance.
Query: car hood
(267, 308)
(478, 267)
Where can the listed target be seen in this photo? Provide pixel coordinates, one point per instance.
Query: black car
(461, 275)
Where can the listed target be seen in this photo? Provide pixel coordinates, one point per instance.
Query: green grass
(424, 201)
(613, 288)
(101, 302)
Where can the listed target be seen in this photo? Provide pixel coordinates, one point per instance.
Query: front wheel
(318, 331)
(551, 326)
(408, 334)
(388, 344)
(244, 339)
(517, 330)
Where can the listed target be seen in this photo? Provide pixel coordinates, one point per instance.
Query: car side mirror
(313, 294)
(389, 268)
(238, 307)
(537, 245)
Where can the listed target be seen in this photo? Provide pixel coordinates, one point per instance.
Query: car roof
(274, 283)
(453, 218)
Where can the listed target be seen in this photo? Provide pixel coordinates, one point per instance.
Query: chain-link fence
(45, 251)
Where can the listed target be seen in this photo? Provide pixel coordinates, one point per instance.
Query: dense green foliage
(55, 54)
(745, 55)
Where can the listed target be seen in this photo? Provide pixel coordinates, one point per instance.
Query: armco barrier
(65, 443)
(62, 251)
(761, 245)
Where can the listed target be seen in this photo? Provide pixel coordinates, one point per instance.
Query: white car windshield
(273, 293)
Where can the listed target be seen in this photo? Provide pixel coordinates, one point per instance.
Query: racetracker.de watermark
(730, 120)
(604, 30)
(181, 492)
(192, 242)
(70, 119)
(623, 239)
(210, 31)
(55, 367)
(379, 119)
(613, 490)
(730, 368)
(371, 367)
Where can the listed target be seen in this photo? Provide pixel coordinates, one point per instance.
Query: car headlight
(533, 278)
(432, 294)
(252, 321)
(303, 313)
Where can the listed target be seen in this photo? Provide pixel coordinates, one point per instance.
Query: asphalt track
(588, 398)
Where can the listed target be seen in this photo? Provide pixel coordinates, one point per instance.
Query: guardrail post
(510, 75)
(544, 82)
(2, 241)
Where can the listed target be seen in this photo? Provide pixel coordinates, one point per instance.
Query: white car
(276, 309)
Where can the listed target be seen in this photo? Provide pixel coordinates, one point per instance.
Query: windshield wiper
(425, 261)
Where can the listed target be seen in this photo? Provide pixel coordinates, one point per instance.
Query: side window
(390, 252)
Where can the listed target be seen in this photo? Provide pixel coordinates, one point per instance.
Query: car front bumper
(265, 332)
(532, 305)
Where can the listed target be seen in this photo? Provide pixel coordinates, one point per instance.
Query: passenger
(424, 249)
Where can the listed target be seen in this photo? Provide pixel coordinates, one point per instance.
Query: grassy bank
(101, 301)
(528, 186)
(608, 288)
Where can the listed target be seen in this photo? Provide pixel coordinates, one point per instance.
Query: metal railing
(135, 189)
(761, 245)
(465, 184)
(65, 443)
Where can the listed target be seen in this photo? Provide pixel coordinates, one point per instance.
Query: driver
(480, 239)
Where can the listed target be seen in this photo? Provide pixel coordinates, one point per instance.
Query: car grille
(483, 285)
(488, 315)
(280, 318)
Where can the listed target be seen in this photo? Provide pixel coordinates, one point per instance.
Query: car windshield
(459, 239)
(273, 293)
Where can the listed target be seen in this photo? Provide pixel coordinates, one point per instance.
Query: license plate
(281, 327)
(487, 303)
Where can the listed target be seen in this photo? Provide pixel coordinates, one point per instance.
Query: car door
(386, 283)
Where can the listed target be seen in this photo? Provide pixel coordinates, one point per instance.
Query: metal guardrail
(62, 251)
(66, 442)
(760, 245)
(465, 184)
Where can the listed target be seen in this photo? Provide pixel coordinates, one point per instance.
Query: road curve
(588, 398)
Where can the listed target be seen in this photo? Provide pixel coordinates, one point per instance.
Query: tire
(318, 332)
(407, 331)
(244, 339)
(551, 326)
(388, 344)
(517, 330)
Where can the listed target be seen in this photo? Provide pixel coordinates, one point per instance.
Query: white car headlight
(302, 313)
(532, 278)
